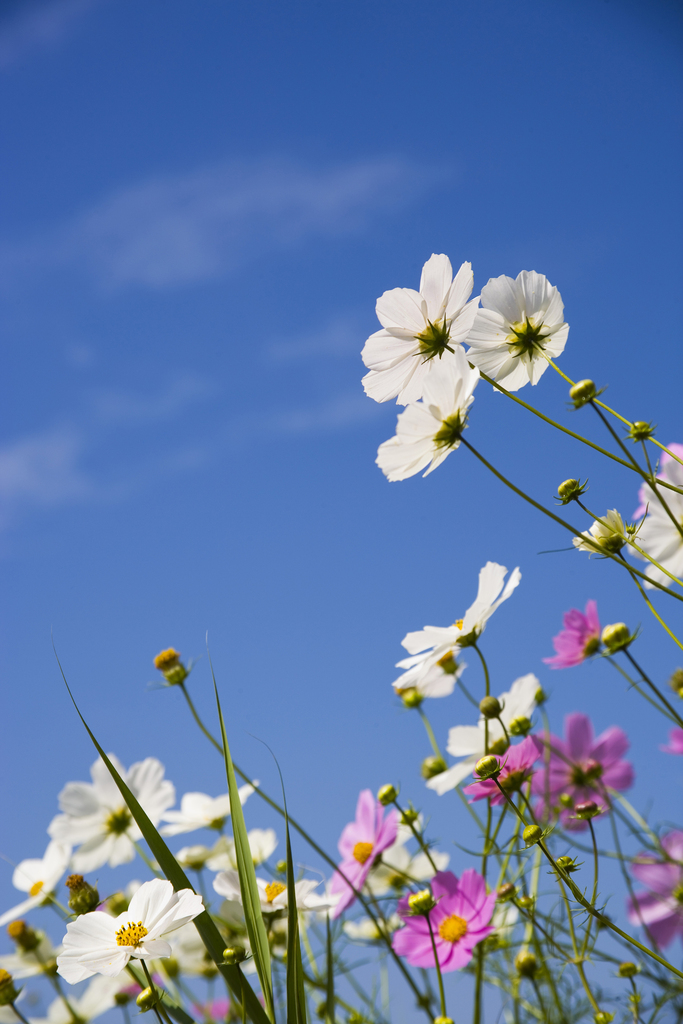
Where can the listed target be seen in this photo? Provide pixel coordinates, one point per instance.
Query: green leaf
(296, 997)
(251, 902)
(329, 1002)
(204, 924)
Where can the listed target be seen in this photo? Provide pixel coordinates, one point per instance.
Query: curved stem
(656, 614)
(655, 689)
(487, 678)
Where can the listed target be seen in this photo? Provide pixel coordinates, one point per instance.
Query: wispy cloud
(33, 26)
(341, 336)
(172, 230)
(133, 408)
(42, 470)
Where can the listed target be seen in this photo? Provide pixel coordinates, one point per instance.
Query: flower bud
(526, 964)
(506, 892)
(581, 392)
(172, 967)
(421, 902)
(387, 794)
(628, 969)
(490, 707)
(148, 998)
(281, 867)
(540, 697)
(616, 637)
(499, 746)
(676, 681)
(234, 955)
(602, 1017)
(526, 902)
(586, 810)
(531, 834)
(519, 726)
(122, 998)
(487, 767)
(117, 903)
(169, 663)
(84, 896)
(567, 864)
(409, 816)
(411, 697)
(570, 490)
(641, 431)
(432, 766)
(8, 993)
(443, 1020)
(566, 800)
(23, 935)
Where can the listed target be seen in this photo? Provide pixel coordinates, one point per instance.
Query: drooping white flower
(262, 842)
(364, 929)
(273, 895)
(469, 741)
(99, 996)
(520, 323)
(27, 963)
(606, 534)
(38, 877)
(433, 669)
(197, 810)
(96, 943)
(96, 819)
(428, 431)
(420, 331)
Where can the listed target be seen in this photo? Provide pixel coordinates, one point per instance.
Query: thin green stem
(19, 1014)
(589, 922)
(646, 679)
(487, 678)
(634, 685)
(148, 861)
(418, 836)
(430, 733)
(656, 614)
(442, 994)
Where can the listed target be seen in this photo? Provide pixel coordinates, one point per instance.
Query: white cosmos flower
(469, 741)
(273, 895)
(28, 963)
(607, 534)
(99, 996)
(433, 669)
(38, 877)
(262, 842)
(658, 536)
(197, 810)
(505, 917)
(520, 322)
(96, 943)
(398, 867)
(364, 929)
(96, 819)
(420, 331)
(429, 430)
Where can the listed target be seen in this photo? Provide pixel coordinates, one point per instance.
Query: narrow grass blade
(251, 902)
(329, 1002)
(296, 996)
(204, 924)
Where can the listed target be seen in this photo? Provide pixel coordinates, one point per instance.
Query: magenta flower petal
(619, 776)
(579, 638)
(579, 732)
(361, 842)
(673, 844)
(610, 746)
(675, 742)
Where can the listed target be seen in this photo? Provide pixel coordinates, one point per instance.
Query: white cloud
(336, 414)
(125, 407)
(178, 229)
(34, 26)
(341, 336)
(42, 470)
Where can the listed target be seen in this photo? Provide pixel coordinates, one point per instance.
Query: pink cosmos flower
(360, 845)
(578, 640)
(673, 473)
(518, 764)
(581, 767)
(459, 921)
(660, 909)
(212, 1011)
(675, 742)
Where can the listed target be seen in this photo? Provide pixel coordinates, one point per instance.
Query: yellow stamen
(131, 934)
(458, 623)
(274, 889)
(453, 928)
(362, 852)
(36, 888)
(167, 659)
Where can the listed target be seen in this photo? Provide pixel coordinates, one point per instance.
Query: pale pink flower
(661, 909)
(675, 742)
(578, 640)
(361, 843)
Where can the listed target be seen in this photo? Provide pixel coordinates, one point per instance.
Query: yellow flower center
(167, 659)
(453, 928)
(274, 889)
(458, 623)
(448, 663)
(131, 934)
(362, 852)
(36, 888)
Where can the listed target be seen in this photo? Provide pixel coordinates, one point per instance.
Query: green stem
(655, 689)
(418, 836)
(586, 937)
(442, 994)
(656, 614)
(634, 685)
(487, 678)
(19, 1014)
(143, 856)
(430, 733)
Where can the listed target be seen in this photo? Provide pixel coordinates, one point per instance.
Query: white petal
(402, 308)
(435, 284)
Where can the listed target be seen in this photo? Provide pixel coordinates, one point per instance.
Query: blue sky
(205, 201)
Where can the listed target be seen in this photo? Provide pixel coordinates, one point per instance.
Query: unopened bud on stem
(570, 490)
(581, 392)
(421, 902)
(23, 935)
(526, 964)
(490, 707)
(411, 697)
(586, 810)
(84, 896)
(640, 431)
(387, 794)
(487, 767)
(531, 834)
(627, 969)
(676, 681)
(8, 992)
(506, 892)
(616, 637)
(147, 999)
(234, 955)
(519, 726)
(432, 766)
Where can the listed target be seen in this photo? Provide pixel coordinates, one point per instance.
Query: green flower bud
(281, 867)
(526, 964)
(526, 902)
(356, 1018)
(506, 892)
(432, 766)
(117, 904)
(421, 902)
(487, 767)
(234, 955)
(586, 810)
(640, 431)
(531, 834)
(628, 969)
(676, 681)
(8, 992)
(411, 697)
(602, 1017)
(443, 1020)
(498, 747)
(409, 816)
(616, 637)
(567, 864)
(147, 999)
(566, 800)
(519, 726)
(84, 896)
(169, 663)
(581, 392)
(122, 998)
(540, 697)
(50, 968)
(387, 794)
(23, 935)
(570, 490)
(490, 707)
